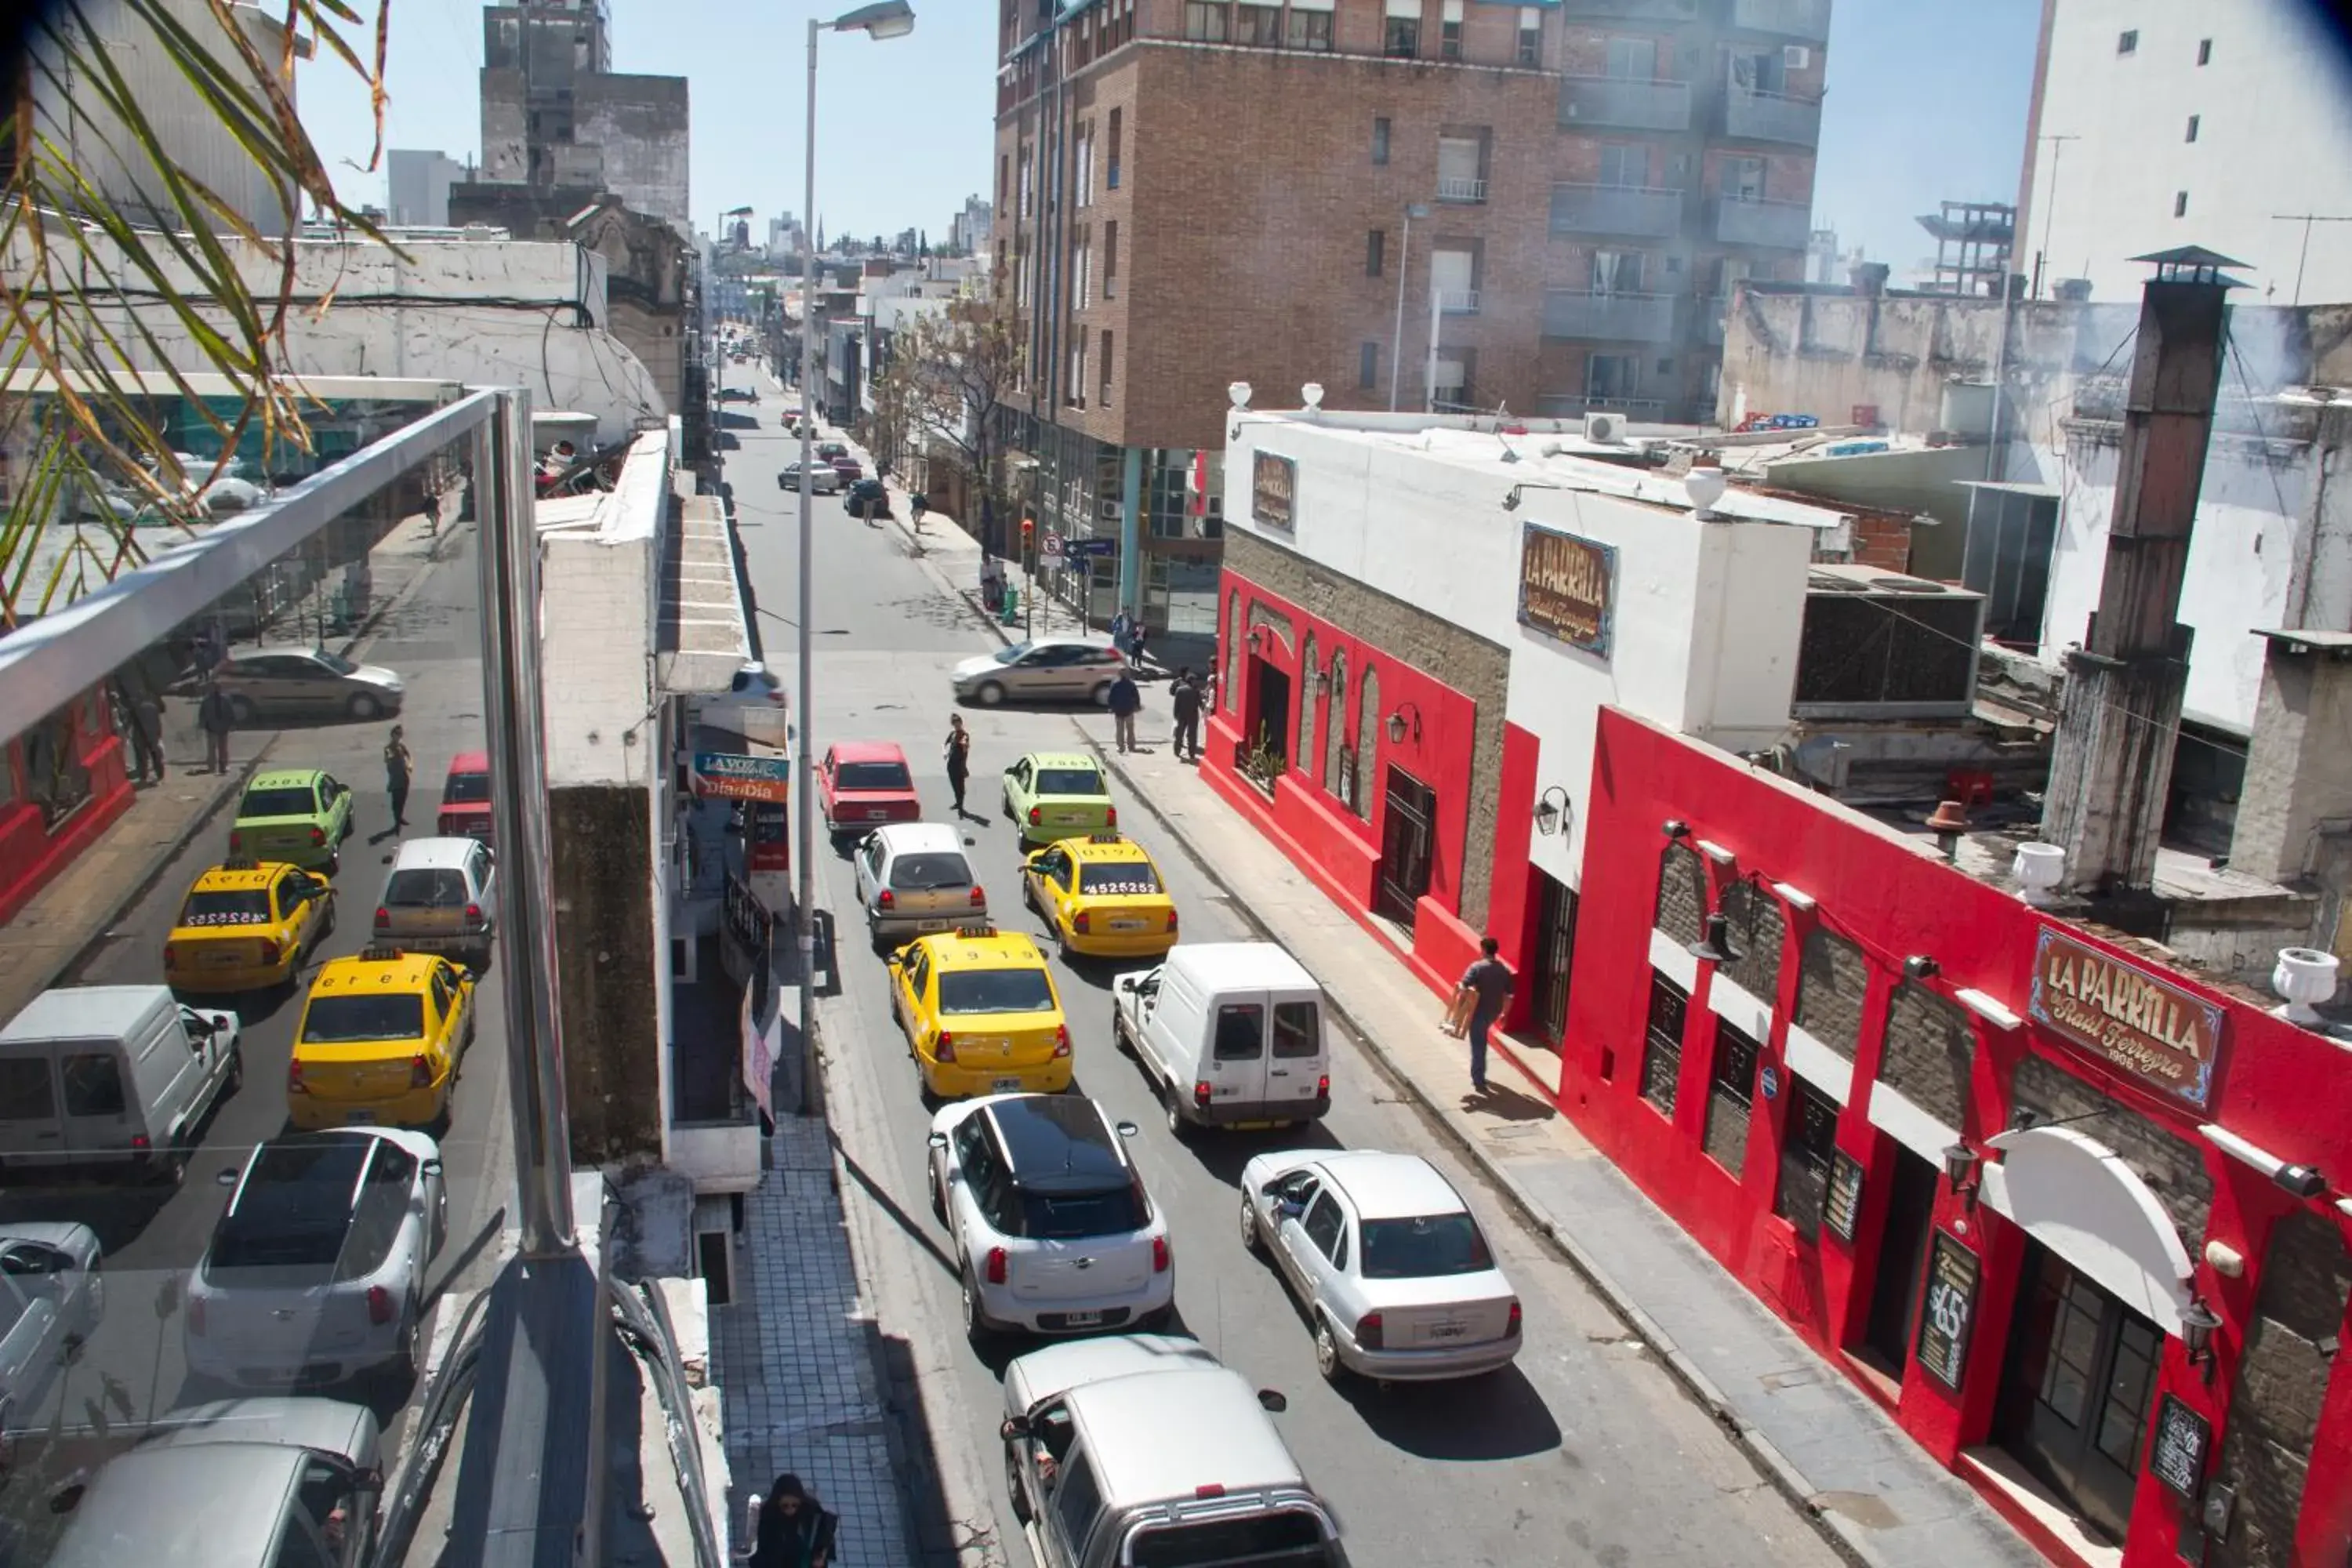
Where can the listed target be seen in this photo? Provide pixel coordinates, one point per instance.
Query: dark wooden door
(1902, 1259)
(1272, 722)
(1555, 947)
(1408, 833)
(2076, 1389)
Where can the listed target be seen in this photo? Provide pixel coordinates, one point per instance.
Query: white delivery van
(113, 1078)
(1232, 1033)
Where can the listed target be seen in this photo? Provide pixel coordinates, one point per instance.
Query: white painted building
(417, 185)
(2157, 123)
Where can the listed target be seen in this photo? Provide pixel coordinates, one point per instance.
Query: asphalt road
(1585, 1451)
(133, 1366)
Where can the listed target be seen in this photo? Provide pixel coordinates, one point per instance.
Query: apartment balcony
(1460, 188)
(1752, 116)
(1789, 18)
(1621, 102)
(1617, 209)
(1568, 405)
(1617, 318)
(1714, 316)
(1458, 301)
(1778, 226)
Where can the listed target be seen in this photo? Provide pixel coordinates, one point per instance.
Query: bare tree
(948, 380)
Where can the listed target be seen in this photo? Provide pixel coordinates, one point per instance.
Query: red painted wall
(2282, 1087)
(31, 855)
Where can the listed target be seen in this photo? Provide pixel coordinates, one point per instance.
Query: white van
(1232, 1033)
(112, 1078)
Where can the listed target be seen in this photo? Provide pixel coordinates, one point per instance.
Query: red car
(466, 798)
(850, 469)
(861, 784)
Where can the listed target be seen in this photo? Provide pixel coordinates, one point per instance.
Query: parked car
(382, 1038)
(114, 1079)
(280, 683)
(849, 469)
(1057, 795)
(1397, 1279)
(442, 897)
(861, 784)
(466, 798)
(738, 394)
(913, 878)
(317, 1268)
(247, 925)
(823, 478)
(1143, 1448)
(52, 1297)
(980, 1014)
(235, 1483)
(1058, 670)
(866, 498)
(299, 815)
(1230, 1034)
(826, 451)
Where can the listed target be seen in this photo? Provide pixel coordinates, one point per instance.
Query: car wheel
(1327, 1353)
(334, 863)
(1252, 1240)
(1101, 695)
(364, 707)
(1013, 1488)
(409, 1360)
(240, 711)
(172, 1169)
(976, 1326)
(326, 923)
(1118, 1036)
(1177, 1126)
(236, 1071)
(988, 693)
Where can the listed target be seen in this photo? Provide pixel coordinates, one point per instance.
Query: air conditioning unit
(1881, 645)
(1108, 511)
(1608, 428)
(1796, 56)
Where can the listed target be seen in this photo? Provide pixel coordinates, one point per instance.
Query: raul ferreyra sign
(2159, 1033)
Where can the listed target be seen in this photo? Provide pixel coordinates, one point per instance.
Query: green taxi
(299, 815)
(1052, 796)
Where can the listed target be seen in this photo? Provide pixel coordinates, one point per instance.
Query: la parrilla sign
(2160, 1033)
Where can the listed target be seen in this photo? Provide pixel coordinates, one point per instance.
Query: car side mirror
(937, 1139)
(227, 1177)
(1127, 1129)
(432, 1167)
(1014, 1427)
(894, 961)
(1271, 1400)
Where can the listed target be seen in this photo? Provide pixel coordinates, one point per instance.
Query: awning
(2076, 1196)
(704, 638)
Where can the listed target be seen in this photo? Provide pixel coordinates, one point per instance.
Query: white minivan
(112, 1078)
(1232, 1033)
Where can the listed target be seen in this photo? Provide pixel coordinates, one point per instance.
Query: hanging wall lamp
(1551, 815)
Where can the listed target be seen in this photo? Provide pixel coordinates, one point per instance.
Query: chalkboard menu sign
(2177, 1455)
(1950, 1306)
(1843, 1208)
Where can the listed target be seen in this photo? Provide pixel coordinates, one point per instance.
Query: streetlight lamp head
(884, 19)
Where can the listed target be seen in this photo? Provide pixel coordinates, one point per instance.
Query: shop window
(1807, 1145)
(1928, 1047)
(1304, 758)
(55, 778)
(1833, 980)
(1662, 1042)
(1730, 1094)
(1682, 894)
(1338, 762)
(1368, 740)
(1757, 930)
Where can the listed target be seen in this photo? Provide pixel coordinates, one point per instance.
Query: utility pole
(2303, 254)
(2042, 252)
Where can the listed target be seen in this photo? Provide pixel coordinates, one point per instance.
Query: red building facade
(61, 785)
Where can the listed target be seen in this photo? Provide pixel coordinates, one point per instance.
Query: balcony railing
(1458, 301)
(1460, 188)
(1622, 100)
(1625, 318)
(1752, 116)
(1617, 209)
(1789, 18)
(1569, 406)
(1781, 225)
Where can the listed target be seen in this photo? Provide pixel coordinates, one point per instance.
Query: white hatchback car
(1054, 1232)
(1396, 1275)
(913, 878)
(442, 897)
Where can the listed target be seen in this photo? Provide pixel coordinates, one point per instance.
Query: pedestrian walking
(1136, 637)
(917, 505)
(1185, 702)
(1486, 985)
(1126, 702)
(396, 769)
(1120, 625)
(146, 710)
(958, 760)
(792, 1532)
(214, 716)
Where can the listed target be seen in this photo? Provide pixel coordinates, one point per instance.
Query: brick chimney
(2119, 713)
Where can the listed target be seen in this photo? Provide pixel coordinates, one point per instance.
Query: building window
(2204, 51)
(1303, 756)
(1086, 160)
(1368, 367)
(1311, 30)
(1380, 139)
(1368, 741)
(1662, 1043)
(1204, 21)
(2180, 203)
(1083, 294)
(1260, 24)
(1530, 35)
(1375, 250)
(1730, 1092)
(1449, 31)
(1111, 260)
(1682, 894)
(2192, 128)
(1110, 172)
(1462, 168)
(1105, 372)
(1003, 178)
(2127, 43)
(1402, 39)
(1806, 1148)
(1077, 391)
(1832, 981)
(1338, 762)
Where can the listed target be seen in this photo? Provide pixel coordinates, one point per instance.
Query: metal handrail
(643, 1313)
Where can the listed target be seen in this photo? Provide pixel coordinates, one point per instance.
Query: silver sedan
(1397, 1279)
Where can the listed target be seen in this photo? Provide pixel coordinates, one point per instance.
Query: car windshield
(1129, 877)
(1070, 781)
(996, 991)
(295, 1208)
(872, 775)
(350, 1020)
(430, 886)
(278, 802)
(334, 662)
(1066, 1216)
(939, 868)
(244, 907)
(465, 789)
(1014, 653)
(1426, 1246)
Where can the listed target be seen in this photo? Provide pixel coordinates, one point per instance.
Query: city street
(1587, 1450)
(133, 1367)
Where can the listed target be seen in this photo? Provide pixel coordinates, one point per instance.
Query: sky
(1926, 101)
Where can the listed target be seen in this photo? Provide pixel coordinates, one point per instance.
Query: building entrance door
(1407, 834)
(2075, 1389)
(1902, 1261)
(1555, 946)
(1271, 722)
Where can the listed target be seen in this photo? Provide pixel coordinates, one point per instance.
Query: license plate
(1449, 1329)
(1081, 1320)
(1127, 925)
(222, 960)
(935, 925)
(877, 813)
(1249, 1126)
(1068, 820)
(1006, 1085)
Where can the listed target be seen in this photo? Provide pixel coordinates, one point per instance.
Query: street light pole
(1396, 334)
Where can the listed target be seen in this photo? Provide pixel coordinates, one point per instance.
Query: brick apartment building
(1195, 192)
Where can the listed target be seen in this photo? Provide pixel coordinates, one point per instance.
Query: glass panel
(2123, 1416)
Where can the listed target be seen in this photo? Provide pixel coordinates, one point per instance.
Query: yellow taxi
(980, 1014)
(247, 925)
(1103, 895)
(380, 1040)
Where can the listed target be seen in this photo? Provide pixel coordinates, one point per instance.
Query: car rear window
(1426, 1246)
(465, 789)
(939, 868)
(427, 887)
(1070, 781)
(245, 906)
(278, 802)
(25, 1090)
(1294, 1033)
(1136, 877)
(1066, 1216)
(1285, 1539)
(350, 1020)
(871, 776)
(996, 991)
(93, 1086)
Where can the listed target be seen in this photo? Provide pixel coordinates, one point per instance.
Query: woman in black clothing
(794, 1531)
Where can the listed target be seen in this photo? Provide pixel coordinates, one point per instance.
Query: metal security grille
(1731, 1088)
(1809, 1141)
(1555, 950)
(1662, 1042)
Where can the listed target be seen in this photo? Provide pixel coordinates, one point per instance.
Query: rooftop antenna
(2303, 254)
